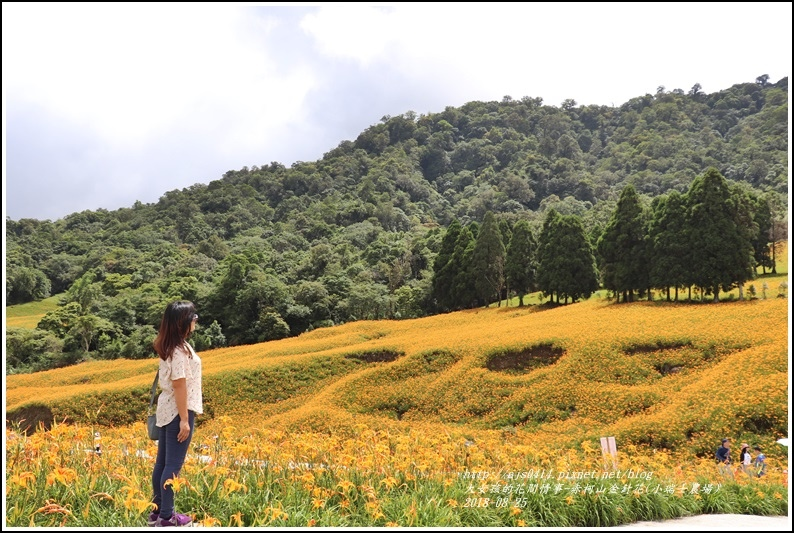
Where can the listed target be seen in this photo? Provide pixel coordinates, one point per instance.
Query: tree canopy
(403, 220)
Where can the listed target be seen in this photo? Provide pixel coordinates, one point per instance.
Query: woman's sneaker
(153, 518)
(177, 519)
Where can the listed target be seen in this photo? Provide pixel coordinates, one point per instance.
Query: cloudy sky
(106, 104)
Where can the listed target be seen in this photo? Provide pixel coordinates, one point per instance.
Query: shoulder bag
(151, 420)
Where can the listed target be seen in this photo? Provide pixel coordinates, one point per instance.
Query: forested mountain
(268, 252)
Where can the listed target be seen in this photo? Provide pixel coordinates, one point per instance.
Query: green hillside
(421, 215)
(27, 315)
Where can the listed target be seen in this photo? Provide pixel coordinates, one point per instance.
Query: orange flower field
(453, 419)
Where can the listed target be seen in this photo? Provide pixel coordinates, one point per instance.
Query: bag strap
(154, 387)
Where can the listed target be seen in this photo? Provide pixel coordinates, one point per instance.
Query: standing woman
(746, 459)
(179, 403)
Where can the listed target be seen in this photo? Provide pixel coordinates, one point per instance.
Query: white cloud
(598, 53)
(351, 31)
(151, 97)
(130, 72)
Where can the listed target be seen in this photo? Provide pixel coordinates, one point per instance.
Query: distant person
(759, 463)
(724, 457)
(745, 459)
(179, 403)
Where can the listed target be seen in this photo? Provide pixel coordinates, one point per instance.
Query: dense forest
(424, 214)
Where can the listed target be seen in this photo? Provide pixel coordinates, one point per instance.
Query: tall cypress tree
(722, 254)
(622, 247)
(566, 264)
(763, 218)
(443, 278)
(506, 230)
(743, 208)
(488, 261)
(463, 295)
(550, 261)
(521, 260)
(668, 242)
(580, 274)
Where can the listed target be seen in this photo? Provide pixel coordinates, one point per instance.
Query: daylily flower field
(488, 417)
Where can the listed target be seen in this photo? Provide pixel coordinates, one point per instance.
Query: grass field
(28, 315)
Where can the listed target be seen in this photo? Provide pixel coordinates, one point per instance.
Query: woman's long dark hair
(174, 328)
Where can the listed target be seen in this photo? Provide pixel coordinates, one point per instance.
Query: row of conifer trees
(712, 238)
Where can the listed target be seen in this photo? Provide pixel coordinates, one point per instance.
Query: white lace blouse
(184, 363)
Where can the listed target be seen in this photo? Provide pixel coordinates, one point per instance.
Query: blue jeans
(170, 457)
